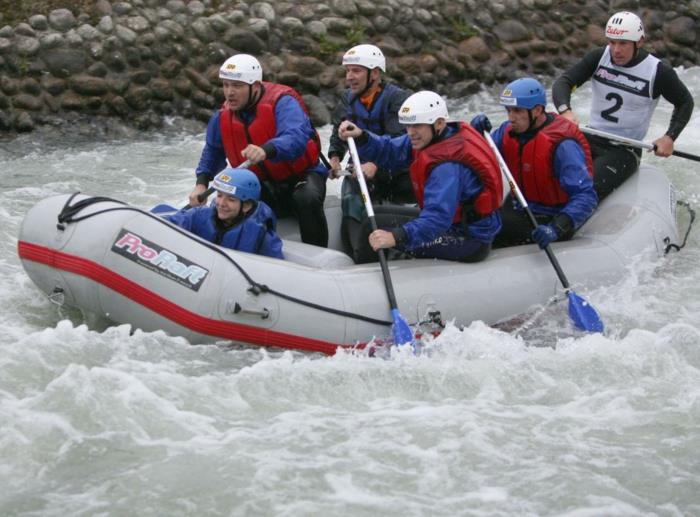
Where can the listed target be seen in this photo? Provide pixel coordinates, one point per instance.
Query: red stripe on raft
(166, 308)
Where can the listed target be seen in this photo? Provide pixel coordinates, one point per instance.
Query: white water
(98, 421)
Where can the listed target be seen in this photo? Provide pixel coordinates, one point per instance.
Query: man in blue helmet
(550, 161)
(237, 219)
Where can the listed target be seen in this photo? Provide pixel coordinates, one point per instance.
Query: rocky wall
(143, 60)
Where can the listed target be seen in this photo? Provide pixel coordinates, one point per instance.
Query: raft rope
(672, 246)
(69, 214)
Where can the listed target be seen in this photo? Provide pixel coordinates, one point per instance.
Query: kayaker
(550, 161)
(369, 103)
(269, 125)
(455, 177)
(237, 219)
(627, 82)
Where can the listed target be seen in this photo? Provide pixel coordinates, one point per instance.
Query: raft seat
(314, 256)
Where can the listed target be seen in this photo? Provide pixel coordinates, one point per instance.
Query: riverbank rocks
(139, 61)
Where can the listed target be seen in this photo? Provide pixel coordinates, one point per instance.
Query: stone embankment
(144, 60)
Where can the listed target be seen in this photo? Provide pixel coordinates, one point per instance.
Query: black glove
(481, 123)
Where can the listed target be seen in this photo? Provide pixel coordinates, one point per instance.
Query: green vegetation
(355, 34)
(463, 28)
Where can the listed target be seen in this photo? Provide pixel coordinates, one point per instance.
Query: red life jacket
(532, 165)
(236, 135)
(469, 148)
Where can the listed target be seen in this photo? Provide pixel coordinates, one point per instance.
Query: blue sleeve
(497, 135)
(213, 159)
(393, 153)
(570, 164)
(448, 185)
(294, 130)
(185, 218)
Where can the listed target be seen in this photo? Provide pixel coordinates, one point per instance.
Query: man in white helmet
(372, 104)
(456, 180)
(269, 125)
(627, 82)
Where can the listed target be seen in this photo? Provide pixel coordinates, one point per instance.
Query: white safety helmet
(241, 67)
(625, 26)
(423, 108)
(368, 56)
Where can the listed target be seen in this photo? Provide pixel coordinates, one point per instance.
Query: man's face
(227, 207)
(236, 93)
(519, 119)
(356, 76)
(621, 51)
(420, 134)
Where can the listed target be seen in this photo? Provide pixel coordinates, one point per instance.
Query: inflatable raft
(133, 267)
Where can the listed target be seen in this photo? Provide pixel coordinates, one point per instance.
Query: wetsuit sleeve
(293, 131)
(338, 147)
(671, 88)
(213, 158)
(570, 166)
(387, 152)
(575, 77)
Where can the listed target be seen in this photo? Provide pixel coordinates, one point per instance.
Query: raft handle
(263, 313)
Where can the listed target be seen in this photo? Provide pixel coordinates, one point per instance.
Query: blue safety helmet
(239, 183)
(524, 93)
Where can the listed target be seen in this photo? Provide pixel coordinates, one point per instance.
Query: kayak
(131, 266)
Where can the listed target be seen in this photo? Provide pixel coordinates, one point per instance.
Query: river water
(106, 421)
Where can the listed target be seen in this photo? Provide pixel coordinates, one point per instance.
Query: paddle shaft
(204, 195)
(634, 143)
(521, 199)
(370, 214)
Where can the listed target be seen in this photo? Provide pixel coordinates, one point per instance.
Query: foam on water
(542, 421)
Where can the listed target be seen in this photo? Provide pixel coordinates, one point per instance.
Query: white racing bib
(622, 97)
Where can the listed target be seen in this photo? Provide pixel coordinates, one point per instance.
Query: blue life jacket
(374, 118)
(255, 233)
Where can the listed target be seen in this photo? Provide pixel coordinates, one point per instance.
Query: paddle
(164, 208)
(401, 331)
(634, 143)
(581, 312)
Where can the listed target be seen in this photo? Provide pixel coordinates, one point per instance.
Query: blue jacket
(570, 168)
(254, 234)
(449, 185)
(381, 119)
(293, 132)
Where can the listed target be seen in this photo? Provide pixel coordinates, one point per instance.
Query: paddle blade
(163, 209)
(583, 314)
(400, 329)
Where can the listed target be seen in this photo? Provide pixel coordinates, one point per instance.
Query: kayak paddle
(401, 331)
(581, 312)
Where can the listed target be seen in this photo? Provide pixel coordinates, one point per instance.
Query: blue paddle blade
(400, 329)
(583, 314)
(163, 209)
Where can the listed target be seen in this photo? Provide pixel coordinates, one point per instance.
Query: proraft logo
(159, 260)
(620, 80)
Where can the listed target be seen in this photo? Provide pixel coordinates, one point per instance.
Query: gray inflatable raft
(133, 267)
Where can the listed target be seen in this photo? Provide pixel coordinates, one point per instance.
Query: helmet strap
(252, 99)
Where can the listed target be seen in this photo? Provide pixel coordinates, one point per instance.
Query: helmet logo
(615, 31)
(231, 66)
(405, 109)
(225, 178)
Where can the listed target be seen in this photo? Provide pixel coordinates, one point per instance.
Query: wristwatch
(562, 108)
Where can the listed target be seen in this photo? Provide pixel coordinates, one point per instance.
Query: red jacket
(236, 135)
(532, 164)
(469, 148)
